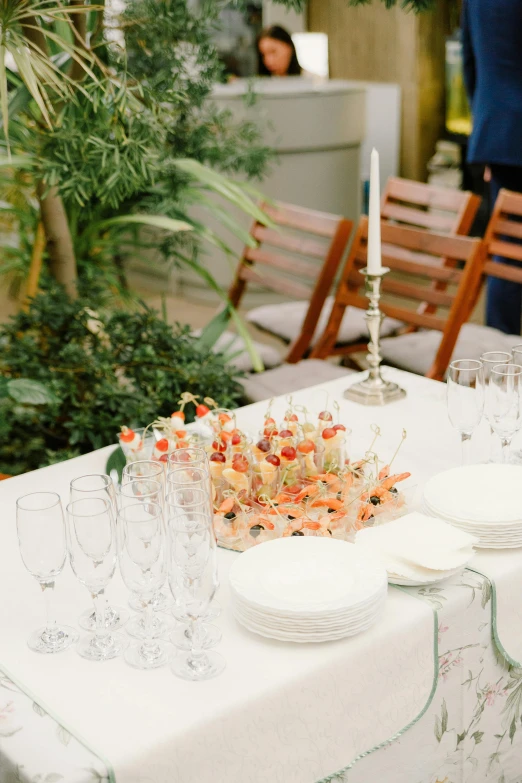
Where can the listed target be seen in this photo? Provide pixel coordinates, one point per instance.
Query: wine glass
(154, 471)
(193, 581)
(141, 491)
(192, 456)
(98, 485)
(93, 554)
(465, 399)
(186, 501)
(489, 360)
(41, 535)
(143, 562)
(503, 403)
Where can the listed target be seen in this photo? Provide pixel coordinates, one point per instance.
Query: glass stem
(100, 603)
(48, 591)
(197, 659)
(506, 443)
(466, 447)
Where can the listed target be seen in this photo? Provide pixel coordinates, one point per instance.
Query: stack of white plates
(484, 500)
(418, 550)
(307, 589)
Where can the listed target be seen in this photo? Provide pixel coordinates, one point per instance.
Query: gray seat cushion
(415, 352)
(285, 320)
(231, 343)
(289, 378)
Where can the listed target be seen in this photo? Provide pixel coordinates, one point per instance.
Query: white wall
(275, 13)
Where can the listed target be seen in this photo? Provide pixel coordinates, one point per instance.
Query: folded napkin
(419, 548)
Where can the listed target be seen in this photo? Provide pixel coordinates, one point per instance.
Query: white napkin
(418, 541)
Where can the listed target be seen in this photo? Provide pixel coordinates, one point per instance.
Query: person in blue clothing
(492, 49)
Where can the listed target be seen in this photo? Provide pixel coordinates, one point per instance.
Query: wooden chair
(300, 259)
(419, 205)
(427, 258)
(504, 226)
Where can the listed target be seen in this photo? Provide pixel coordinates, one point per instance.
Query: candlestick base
(374, 392)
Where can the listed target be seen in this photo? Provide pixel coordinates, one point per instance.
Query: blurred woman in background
(277, 55)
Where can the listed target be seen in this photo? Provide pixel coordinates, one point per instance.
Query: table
(424, 696)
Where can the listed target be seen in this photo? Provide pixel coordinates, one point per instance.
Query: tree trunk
(79, 24)
(36, 265)
(62, 261)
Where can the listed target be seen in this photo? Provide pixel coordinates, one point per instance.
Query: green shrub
(99, 371)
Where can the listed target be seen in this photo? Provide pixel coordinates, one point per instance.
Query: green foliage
(97, 371)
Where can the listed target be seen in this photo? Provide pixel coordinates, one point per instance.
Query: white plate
(305, 638)
(319, 625)
(306, 576)
(486, 493)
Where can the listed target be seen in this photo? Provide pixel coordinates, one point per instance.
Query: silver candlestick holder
(374, 390)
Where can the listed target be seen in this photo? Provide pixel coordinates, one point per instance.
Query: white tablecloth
(280, 713)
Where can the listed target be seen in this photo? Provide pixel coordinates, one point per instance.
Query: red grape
(286, 434)
(219, 446)
(273, 459)
(325, 416)
(240, 463)
(263, 445)
(236, 440)
(217, 457)
(288, 452)
(291, 417)
(340, 427)
(328, 433)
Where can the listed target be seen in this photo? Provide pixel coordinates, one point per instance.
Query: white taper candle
(374, 262)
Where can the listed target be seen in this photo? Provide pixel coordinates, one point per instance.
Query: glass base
(115, 618)
(109, 647)
(180, 637)
(47, 643)
(136, 627)
(153, 657)
(160, 603)
(209, 665)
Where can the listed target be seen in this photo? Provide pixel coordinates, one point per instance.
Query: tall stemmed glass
(93, 552)
(41, 535)
(98, 485)
(143, 566)
(489, 360)
(503, 403)
(154, 471)
(182, 501)
(141, 491)
(465, 399)
(193, 581)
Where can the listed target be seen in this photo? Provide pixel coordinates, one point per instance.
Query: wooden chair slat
(425, 195)
(503, 271)
(308, 220)
(349, 299)
(294, 244)
(416, 292)
(285, 263)
(510, 228)
(417, 217)
(511, 202)
(281, 285)
(505, 249)
(403, 260)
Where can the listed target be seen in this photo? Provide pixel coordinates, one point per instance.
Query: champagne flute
(93, 554)
(465, 399)
(98, 485)
(193, 581)
(503, 402)
(489, 360)
(143, 562)
(41, 534)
